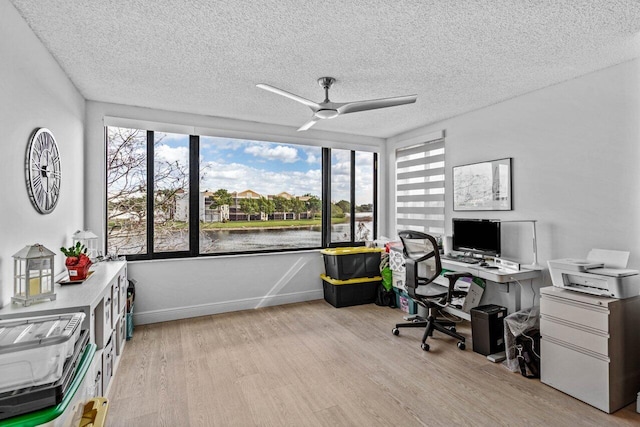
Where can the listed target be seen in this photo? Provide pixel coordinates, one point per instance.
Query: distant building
(205, 212)
(231, 212)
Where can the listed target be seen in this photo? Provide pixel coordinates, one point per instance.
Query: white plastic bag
(516, 324)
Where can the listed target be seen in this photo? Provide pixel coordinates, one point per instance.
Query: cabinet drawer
(107, 366)
(115, 307)
(578, 374)
(589, 315)
(596, 342)
(122, 298)
(95, 375)
(103, 320)
(121, 333)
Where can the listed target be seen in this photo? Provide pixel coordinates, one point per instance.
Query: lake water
(261, 239)
(253, 239)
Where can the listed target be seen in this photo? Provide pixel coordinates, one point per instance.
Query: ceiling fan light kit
(329, 110)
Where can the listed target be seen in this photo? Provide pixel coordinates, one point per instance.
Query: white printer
(603, 273)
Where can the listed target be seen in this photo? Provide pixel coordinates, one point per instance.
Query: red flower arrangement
(77, 261)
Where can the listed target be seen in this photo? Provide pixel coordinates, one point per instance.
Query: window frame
(194, 220)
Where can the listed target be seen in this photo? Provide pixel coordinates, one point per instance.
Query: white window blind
(420, 187)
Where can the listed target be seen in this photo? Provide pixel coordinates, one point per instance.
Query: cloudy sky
(269, 168)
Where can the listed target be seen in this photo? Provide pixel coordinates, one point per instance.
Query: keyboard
(465, 259)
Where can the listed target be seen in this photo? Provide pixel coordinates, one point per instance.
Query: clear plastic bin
(33, 350)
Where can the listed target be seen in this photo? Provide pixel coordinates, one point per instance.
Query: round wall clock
(43, 171)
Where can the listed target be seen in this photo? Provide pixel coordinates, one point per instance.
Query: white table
(496, 276)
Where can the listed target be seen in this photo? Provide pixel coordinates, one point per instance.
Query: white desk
(491, 275)
(501, 276)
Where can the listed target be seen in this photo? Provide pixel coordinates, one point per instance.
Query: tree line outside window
(177, 195)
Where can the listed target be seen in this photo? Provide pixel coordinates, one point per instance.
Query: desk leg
(517, 295)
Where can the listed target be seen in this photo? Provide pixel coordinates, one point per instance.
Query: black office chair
(421, 248)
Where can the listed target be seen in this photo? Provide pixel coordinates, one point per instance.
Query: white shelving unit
(102, 297)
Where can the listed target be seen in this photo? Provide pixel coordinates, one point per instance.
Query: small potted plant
(77, 261)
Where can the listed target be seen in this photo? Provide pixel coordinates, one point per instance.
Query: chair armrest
(453, 277)
(456, 275)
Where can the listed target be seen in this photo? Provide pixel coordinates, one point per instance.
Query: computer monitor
(480, 236)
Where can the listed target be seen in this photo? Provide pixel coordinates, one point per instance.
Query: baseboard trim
(165, 315)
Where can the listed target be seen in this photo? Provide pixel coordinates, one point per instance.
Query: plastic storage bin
(61, 414)
(344, 293)
(404, 302)
(29, 399)
(33, 350)
(349, 263)
(130, 322)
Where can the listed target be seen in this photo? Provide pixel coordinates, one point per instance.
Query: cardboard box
(475, 289)
(399, 280)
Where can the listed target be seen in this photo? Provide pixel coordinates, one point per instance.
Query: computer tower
(487, 328)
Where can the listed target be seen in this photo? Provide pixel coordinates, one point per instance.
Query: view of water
(251, 239)
(282, 238)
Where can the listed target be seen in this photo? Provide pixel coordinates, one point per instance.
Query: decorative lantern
(33, 275)
(89, 240)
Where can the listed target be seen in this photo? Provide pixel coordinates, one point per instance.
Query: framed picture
(484, 186)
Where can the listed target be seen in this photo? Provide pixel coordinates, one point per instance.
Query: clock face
(43, 171)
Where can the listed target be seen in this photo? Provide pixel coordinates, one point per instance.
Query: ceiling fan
(328, 110)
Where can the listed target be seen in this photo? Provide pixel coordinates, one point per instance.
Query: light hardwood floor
(310, 364)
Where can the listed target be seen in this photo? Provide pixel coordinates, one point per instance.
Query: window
(353, 197)
(365, 191)
(248, 196)
(126, 191)
(257, 195)
(420, 182)
(340, 196)
(171, 192)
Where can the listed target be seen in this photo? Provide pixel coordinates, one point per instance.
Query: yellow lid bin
(344, 293)
(352, 262)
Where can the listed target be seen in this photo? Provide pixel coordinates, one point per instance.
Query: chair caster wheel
(452, 329)
(461, 345)
(425, 346)
(395, 331)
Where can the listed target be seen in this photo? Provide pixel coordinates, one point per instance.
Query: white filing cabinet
(590, 347)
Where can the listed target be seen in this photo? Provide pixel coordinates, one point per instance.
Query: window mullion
(352, 210)
(326, 197)
(375, 196)
(194, 195)
(150, 192)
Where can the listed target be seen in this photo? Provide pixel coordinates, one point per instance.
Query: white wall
(35, 93)
(574, 145)
(180, 288)
(575, 149)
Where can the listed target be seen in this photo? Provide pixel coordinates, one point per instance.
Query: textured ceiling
(206, 57)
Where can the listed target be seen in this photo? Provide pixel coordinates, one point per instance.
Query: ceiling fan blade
(308, 124)
(372, 104)
(313, 105)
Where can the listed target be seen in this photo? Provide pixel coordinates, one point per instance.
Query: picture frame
(483, 186)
